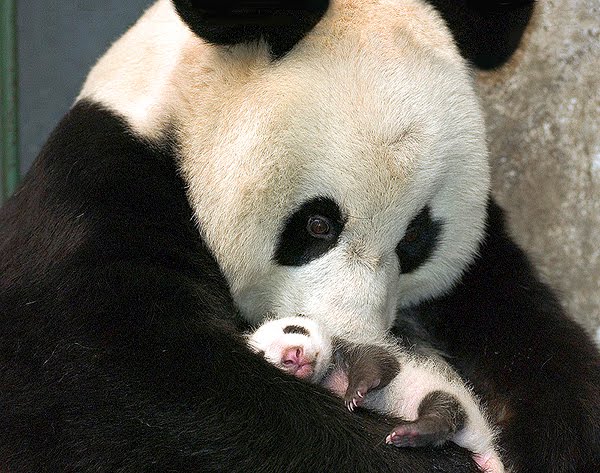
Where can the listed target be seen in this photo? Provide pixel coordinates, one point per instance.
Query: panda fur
(121, 349)
(433, 402)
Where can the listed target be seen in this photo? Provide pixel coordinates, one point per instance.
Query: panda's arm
(117, 352)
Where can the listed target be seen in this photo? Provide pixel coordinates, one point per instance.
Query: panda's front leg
(366, 367)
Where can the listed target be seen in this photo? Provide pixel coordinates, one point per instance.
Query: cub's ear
(281, 23)
(486, 31)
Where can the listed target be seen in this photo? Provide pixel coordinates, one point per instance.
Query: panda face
(344, 181)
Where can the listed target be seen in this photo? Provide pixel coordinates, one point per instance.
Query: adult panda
(119, 347)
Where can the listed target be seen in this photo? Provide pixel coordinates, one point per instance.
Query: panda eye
(309, 232)
(319, 226)
(411, 235)
(419, 241)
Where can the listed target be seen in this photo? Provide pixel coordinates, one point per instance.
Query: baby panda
(423, 389)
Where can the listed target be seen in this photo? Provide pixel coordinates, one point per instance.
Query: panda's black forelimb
(118, 349)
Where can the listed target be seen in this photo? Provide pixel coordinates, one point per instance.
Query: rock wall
(543, 117)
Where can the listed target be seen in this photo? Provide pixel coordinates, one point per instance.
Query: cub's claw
(354, 401)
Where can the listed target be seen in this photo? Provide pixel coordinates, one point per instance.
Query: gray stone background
(543, 115)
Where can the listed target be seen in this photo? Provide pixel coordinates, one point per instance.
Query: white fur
(133, 77)
(373, 108)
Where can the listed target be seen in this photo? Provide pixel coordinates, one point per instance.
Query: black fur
(296, 245)
(419, 241)
(486, 31)
(281, 23)
(118, 347)
(537, 370)
(296, 329)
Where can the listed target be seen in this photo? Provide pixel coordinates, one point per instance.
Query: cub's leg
(440, 416)
(366, 367)
(438, 407)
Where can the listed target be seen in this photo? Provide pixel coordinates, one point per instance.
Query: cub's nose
(296, 362)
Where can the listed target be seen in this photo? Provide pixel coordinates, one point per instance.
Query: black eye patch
(296, 329)
(419, 241)
(298, 243)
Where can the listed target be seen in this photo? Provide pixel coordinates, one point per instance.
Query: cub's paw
(296, 345)
(489, 462)
(418, 434)
(368, 367)
(426, 434)
(441, 416)
(358, 389)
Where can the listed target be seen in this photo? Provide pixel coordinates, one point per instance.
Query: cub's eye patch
(419, 241)
(309, 232)
(296, 329)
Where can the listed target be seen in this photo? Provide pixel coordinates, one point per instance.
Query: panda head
(334, 152)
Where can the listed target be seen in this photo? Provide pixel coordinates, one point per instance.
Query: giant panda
(170, 208)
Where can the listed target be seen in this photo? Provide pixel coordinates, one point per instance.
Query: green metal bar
(10, 169)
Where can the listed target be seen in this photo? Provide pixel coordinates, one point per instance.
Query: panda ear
(281, 23)
(486, 31)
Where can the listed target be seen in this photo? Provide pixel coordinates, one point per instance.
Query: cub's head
(296, 345)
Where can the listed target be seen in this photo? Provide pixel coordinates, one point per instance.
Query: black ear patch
(487, 32)
(281, 23)
(296, 329)
(297, 246)
(419, 241)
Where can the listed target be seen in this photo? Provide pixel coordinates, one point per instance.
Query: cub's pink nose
(297, 363)
(292, 356)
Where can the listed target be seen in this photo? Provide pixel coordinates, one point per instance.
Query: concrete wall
(59, 41)
(543, 116)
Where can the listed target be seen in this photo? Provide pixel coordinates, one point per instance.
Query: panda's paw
(489, 462)
(357, 390)
(423, 432)
(297, 345)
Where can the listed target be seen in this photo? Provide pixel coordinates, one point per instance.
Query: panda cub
(438, 406)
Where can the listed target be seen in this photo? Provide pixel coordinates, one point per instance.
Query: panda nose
(297, 363)
(292, 356)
